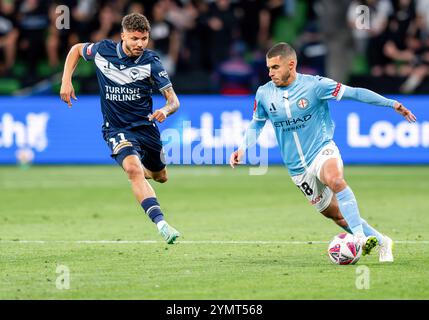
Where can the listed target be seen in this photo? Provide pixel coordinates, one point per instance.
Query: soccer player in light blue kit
(297, 106)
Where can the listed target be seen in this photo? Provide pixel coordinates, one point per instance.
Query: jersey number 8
(305, 188)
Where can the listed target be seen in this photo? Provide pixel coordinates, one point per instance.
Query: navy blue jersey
(126, 83)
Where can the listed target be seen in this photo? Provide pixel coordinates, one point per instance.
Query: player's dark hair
(135, 22)
(282, 49)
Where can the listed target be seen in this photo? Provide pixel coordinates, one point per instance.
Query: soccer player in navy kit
(127, 73)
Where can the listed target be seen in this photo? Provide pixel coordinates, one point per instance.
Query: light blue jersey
(300, 115)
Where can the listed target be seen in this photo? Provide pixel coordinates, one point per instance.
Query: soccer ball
(344, 249)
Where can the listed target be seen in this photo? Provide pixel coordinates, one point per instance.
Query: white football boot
(169, 233)
(386, 250)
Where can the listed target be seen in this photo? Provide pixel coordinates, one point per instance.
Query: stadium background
(214, 52)
(216, 48)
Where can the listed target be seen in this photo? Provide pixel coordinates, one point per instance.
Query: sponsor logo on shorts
(317, 199)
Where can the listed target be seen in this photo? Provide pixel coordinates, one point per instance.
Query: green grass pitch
(244, 237)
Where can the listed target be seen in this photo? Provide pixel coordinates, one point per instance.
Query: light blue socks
(350, 211)
(370, 231)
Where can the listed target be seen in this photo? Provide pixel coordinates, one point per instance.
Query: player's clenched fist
(67, 92)
(236, 157)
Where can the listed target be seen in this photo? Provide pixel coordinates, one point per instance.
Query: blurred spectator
(371, 38)
(395, 47)
(422, 10)
(311, 50)
(119, 6)
(226, 40)
(164, 38)
(194, 55)
(84, 16)
(309, 45)
(135, 7)
(33, 20)
(182, 17)
(254, 23)
(371, 41)
(59, 40)
(337, 38)
(406, 46)
(276, 9)
(235, 75)
(8, 36)
(108, 24)
(221, 31)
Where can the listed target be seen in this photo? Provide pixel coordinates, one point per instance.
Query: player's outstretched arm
(368, 96)
(250, 138)
(170, 107)
(67, 90)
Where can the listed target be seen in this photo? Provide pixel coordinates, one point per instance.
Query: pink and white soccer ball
(344, 249)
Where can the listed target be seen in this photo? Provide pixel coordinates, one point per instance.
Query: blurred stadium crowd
(210, 46)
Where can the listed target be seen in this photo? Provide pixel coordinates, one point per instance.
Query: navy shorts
(144, 142)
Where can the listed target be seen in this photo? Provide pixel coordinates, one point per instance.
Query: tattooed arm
(170, 107)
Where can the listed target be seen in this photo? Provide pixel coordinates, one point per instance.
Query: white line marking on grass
(255, 242)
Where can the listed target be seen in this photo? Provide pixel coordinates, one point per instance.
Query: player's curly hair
(135, 22)
(282, 49)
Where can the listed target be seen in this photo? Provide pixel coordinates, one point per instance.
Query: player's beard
(129, 49)
(284, 80)
(286, 77)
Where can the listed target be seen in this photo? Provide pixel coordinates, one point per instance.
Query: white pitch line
(186, 242)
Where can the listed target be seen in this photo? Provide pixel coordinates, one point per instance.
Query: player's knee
(134, 171)
(337, 184)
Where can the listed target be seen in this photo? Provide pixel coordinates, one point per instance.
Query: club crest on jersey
(134, 74)
(302, 103)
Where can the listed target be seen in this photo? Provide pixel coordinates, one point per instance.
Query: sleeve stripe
(87, 50)
(336, 90)
(83, 51)
(259, 119)
(341, 92)
(165, 87)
